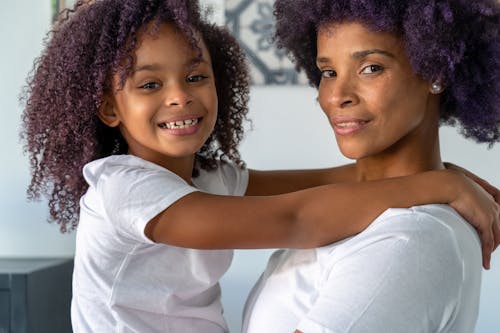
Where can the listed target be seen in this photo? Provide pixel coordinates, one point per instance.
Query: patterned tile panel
(252, 22)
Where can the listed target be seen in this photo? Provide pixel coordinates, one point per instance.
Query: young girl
(149, 100)
(387, 72)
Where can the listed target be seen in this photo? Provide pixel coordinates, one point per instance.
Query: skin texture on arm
(302, 219)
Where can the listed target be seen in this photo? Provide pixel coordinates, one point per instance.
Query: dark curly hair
(87, 46)
(455, 41)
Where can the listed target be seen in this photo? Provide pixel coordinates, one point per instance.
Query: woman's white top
(411, 270)
(124, 282)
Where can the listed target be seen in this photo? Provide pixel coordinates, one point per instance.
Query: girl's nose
(177, 95)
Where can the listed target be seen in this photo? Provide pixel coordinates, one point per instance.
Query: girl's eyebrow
(156, 67)
(147, 67)
(196, 62)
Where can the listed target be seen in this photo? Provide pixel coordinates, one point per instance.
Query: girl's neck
(181, 166)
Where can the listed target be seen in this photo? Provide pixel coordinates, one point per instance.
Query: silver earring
(436, 87)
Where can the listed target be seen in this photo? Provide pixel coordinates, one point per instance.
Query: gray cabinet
(35, 295)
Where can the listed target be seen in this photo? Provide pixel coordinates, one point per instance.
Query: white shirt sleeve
(133, 195)
(395, 281)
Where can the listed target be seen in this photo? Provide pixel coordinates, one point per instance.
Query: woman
(388, 73)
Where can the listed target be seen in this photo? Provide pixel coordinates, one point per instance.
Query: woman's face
(374, 101)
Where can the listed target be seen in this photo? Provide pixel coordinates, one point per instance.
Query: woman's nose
(341, 93)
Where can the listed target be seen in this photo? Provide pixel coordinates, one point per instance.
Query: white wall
(289, 132)
(23, 24)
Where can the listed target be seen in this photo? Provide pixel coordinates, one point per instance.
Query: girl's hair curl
(87, 46)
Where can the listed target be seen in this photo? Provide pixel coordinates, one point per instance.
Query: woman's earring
(436, 87)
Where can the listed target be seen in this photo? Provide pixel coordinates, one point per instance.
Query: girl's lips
(348, 126)
(180, 123)
(187, 126)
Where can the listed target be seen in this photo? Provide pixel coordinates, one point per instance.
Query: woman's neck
(417, 152)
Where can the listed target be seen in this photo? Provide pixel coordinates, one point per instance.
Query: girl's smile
(167, 108)
(179, 124)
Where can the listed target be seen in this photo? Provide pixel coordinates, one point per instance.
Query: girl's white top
(124, 282)
(411, 270)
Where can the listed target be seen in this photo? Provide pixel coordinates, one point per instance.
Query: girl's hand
(478, 202)
(492, 190)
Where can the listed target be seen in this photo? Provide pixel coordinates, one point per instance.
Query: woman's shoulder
(435, 218)
(435, 232)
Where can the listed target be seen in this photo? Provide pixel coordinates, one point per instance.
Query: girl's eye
(328, 73)
(371, 69)
(150, 85)
(195, 78)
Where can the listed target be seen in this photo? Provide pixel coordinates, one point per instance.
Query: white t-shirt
(124, 282)
(411, 270)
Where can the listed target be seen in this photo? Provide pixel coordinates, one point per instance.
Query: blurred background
(288, 131)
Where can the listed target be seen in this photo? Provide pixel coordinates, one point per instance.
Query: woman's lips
(348, 126)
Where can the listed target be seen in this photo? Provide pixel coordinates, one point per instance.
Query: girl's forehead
(161, 44)
(168, 31)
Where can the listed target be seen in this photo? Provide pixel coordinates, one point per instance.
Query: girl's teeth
(180, 124)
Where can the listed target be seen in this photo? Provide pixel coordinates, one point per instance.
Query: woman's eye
(150, 85)
(195, 78)
(329, 73)
(371, 69)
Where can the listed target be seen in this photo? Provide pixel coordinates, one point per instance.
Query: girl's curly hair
(455, 41)
(88, 45)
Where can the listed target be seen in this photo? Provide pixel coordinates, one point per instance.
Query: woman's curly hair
(454, 41)
(87, 46)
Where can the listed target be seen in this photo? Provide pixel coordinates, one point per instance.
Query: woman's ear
(107, 114)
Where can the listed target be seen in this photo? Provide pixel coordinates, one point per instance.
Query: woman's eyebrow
(322, 60)
(358, 55)
(364, 53)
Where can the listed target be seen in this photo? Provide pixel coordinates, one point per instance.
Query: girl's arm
(315, 216)
(286, 181)
(492, 190)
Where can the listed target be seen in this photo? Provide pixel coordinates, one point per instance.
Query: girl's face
(369, 92)
(167, 108)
